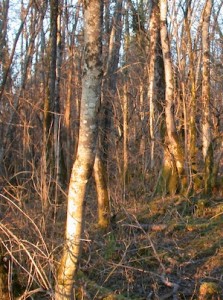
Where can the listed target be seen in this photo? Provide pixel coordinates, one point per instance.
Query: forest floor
(166, 248)
(160, 248)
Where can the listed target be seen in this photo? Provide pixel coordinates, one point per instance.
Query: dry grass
(160, 248)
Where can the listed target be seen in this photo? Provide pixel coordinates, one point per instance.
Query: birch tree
(173, 157)
(82, 168)
(206, 127)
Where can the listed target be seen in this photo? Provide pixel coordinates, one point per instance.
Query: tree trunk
(82, 169)
(100, 177)
(125, 136)
(109, 90)
(49, 102)
(192, 136)
(156, 80)
(176, 156)
(59, 164)
(206, 127)
(71, 81)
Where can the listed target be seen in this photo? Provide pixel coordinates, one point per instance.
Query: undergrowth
(160, 248)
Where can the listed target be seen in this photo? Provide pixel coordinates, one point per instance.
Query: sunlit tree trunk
(109, 90)
(153, 77)
(102, 193)
(49, 101)
(57, 117)
(83, 165)
(192, 135)
(67, 117)
(125, 106)
(59, 165)
(206, 127)
(175, 166)
(72, 83)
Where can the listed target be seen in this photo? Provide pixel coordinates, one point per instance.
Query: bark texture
(176, 165)
(100, 177)
(192, 139)
(156, 90)
(206, 127)
(82, 169)
(109, 91)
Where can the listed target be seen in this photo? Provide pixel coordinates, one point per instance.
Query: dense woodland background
(159, 179)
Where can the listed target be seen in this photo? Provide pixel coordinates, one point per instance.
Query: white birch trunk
(153, 88)
(173, 140)
(206, 129)
(82, 169)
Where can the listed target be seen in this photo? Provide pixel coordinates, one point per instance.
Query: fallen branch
(175, 286)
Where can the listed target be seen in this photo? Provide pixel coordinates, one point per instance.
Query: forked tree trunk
(206, 128)
(175, 166)
(82, 168)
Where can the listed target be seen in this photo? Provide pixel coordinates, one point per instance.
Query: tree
(82, 168)
(108, 92)
(156, 89)
(173, 156)
(50, 100)
(206, 127)
(71, 79)
(192, 134)
(4, 8)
